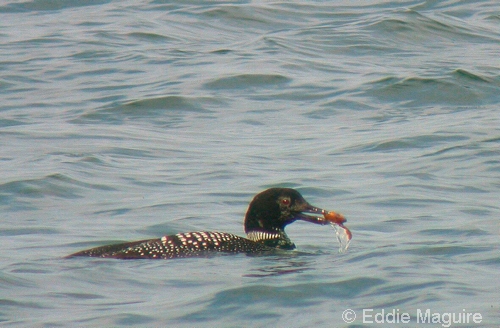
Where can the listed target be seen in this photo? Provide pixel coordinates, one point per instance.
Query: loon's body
(268, 214)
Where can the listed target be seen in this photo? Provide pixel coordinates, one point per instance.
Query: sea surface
(128, 120)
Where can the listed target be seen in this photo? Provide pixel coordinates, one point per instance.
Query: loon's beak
(322, 216)
(318, 218)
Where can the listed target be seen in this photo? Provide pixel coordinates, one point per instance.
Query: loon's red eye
(285, 201)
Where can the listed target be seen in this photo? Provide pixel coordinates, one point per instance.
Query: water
(127, 120)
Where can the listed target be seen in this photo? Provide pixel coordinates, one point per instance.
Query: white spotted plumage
(184, 245)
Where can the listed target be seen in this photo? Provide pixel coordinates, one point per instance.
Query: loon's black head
(271, 210)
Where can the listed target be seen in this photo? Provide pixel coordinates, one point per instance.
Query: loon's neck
(276, 239)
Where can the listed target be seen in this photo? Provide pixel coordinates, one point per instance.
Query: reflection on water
(282, 265)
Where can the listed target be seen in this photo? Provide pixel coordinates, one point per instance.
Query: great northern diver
(268, 214)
